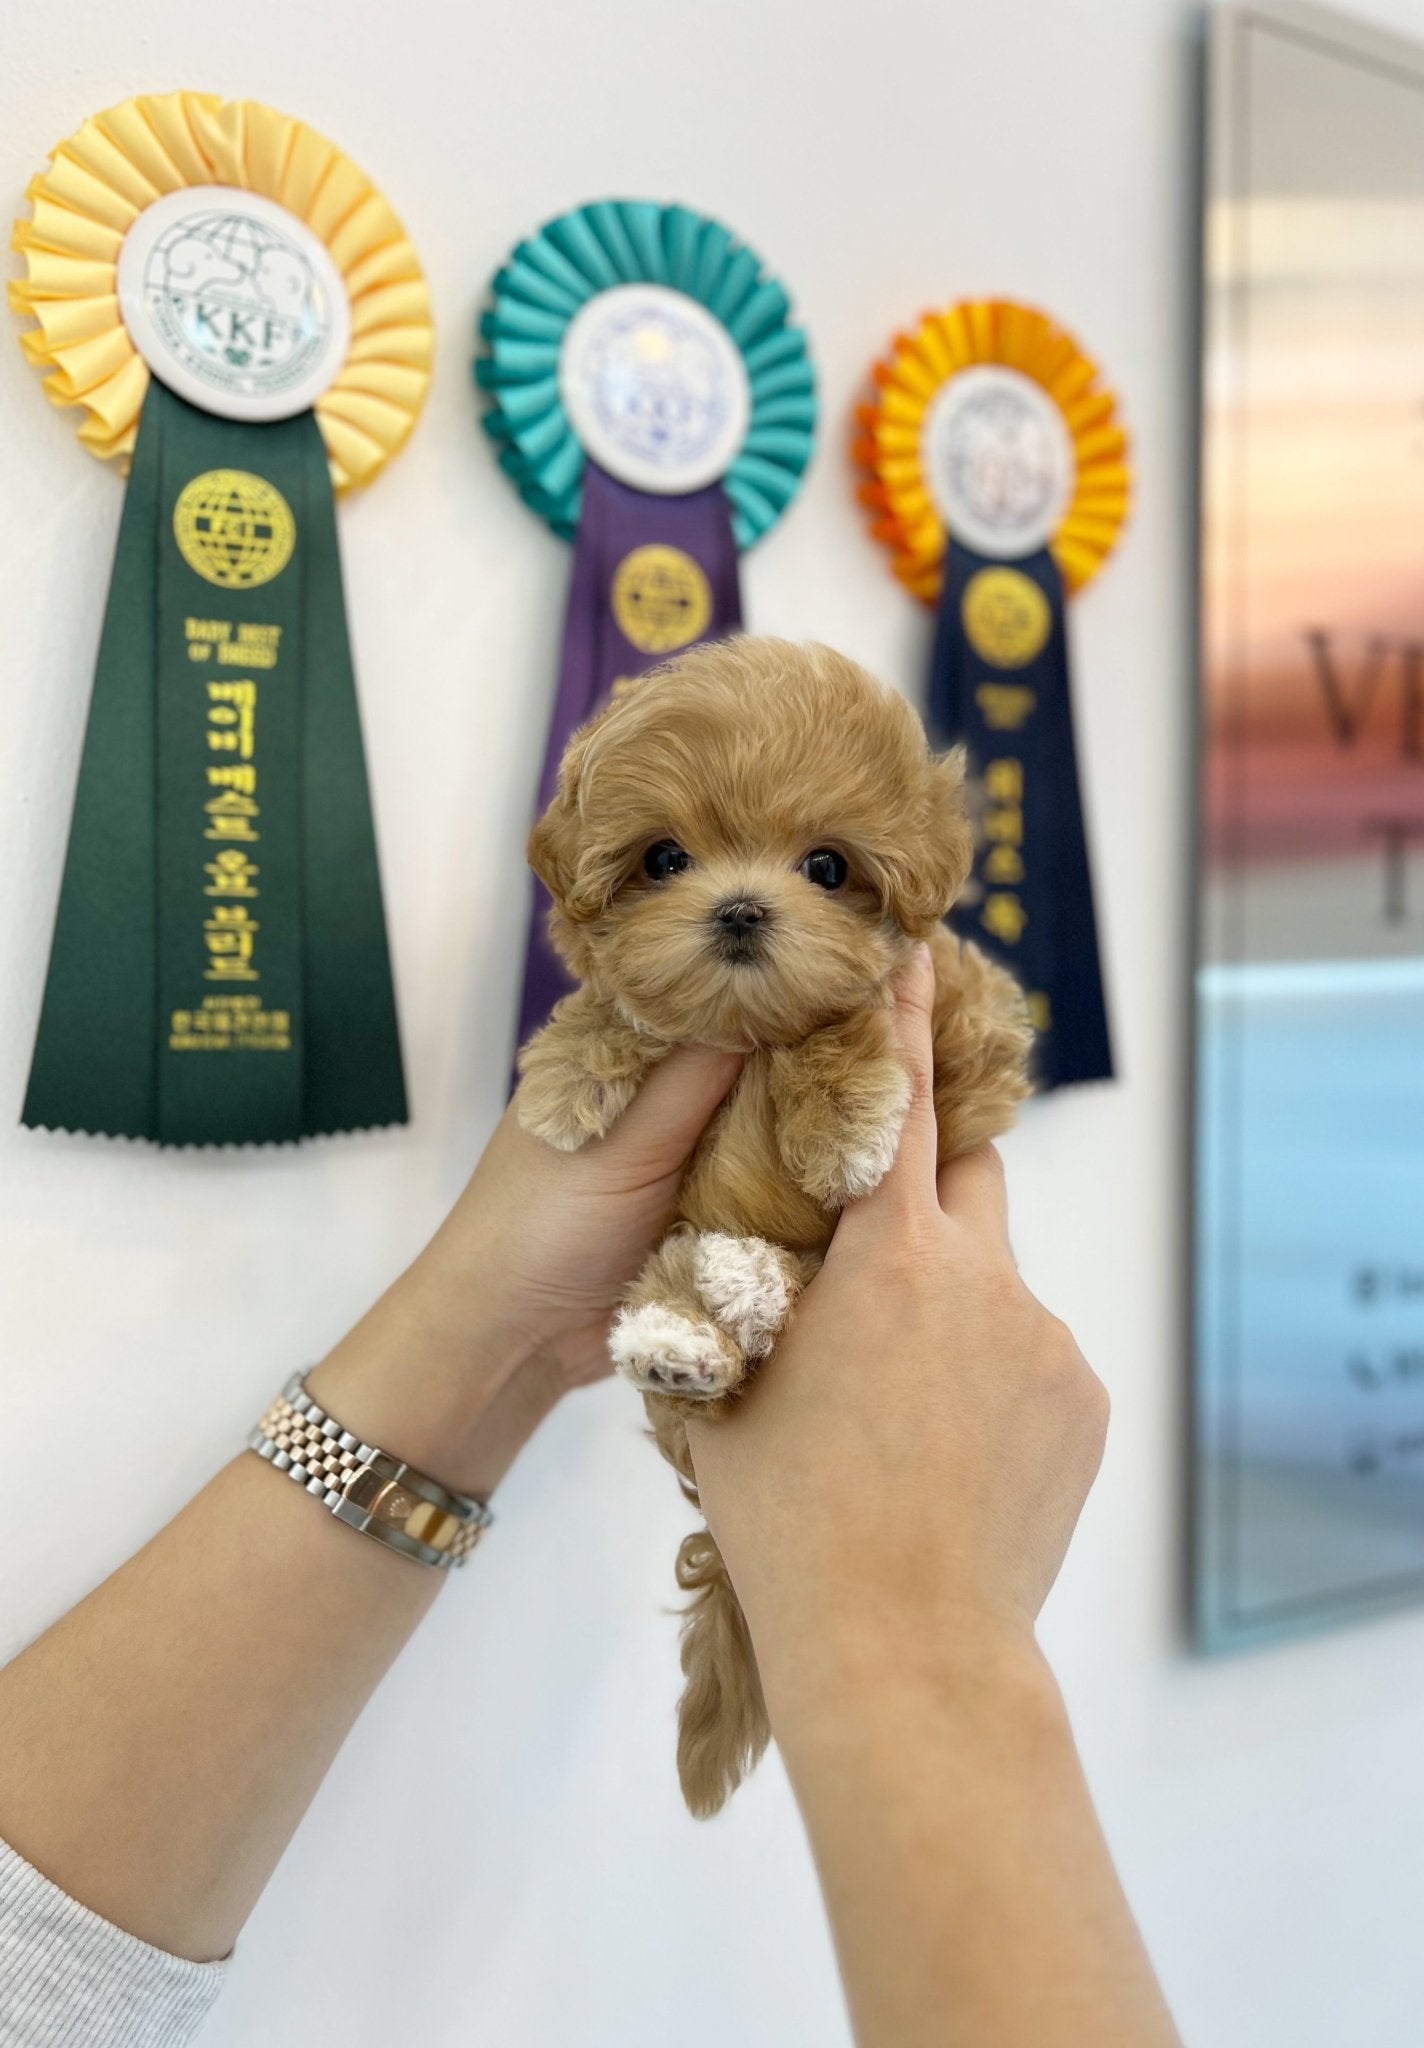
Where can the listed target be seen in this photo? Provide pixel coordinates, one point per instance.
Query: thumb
(660, 1127)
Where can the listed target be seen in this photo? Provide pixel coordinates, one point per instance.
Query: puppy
(742, 851)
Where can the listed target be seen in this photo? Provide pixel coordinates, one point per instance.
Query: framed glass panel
(1309, 1250)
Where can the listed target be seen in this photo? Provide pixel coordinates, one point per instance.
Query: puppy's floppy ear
(578, 873)
(923, 874)
(552, 851)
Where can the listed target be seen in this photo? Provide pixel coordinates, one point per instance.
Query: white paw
(746, 1284)
(568, 1107)
(666, 1353)
(866, 1164)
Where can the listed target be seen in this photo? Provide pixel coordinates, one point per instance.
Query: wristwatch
(367, 1488)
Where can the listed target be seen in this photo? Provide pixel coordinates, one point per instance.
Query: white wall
(500, 1855)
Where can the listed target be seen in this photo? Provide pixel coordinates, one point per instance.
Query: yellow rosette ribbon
(243, 325)
(118, 164)
(995, 470)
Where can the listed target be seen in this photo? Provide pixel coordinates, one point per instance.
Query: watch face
(233, 303)
(655, 388)
(998, 461)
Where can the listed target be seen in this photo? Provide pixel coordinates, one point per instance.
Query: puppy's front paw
(565, 1105)
(857, 1143)
(870, 1149)
(749, 1286)
(664, 1352)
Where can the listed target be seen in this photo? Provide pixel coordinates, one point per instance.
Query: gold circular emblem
(1006, 616)
(234, 528)
(661, 599)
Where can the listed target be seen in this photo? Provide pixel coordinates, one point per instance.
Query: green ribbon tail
(220, 971)
(354, 1076)
(95, 1063)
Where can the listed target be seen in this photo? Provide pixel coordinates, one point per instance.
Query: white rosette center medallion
(999, 461)
(654, 388)
(233, 303)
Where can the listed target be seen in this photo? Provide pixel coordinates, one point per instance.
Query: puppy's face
(742, 848)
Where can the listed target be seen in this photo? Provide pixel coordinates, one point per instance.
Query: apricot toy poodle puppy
(742, 851)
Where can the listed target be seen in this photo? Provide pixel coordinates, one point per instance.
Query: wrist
(453, 1387)
(874, 1693)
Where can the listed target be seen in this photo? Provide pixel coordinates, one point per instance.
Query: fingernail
(916, 978)
(720, 1065)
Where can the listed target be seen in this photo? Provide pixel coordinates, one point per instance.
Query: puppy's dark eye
(825, 867)
(665, 860)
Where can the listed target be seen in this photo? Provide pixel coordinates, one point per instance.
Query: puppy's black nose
(740, 917)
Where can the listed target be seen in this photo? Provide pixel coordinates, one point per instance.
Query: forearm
(159, 1745)
(969, 1887)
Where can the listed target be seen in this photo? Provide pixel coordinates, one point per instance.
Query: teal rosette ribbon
(550, 277)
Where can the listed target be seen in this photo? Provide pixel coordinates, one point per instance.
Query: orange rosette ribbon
(890, 435)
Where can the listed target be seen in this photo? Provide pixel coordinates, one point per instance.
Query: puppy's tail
(722, 1727)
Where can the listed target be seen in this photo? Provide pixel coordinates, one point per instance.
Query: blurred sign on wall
(1310, 978)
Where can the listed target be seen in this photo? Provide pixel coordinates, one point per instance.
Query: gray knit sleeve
(70, 1980)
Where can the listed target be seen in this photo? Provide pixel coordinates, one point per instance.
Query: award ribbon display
(996, 472)
(238, 314)
(652, 400)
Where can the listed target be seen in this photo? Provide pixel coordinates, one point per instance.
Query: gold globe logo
(233, 528)
(661, 599)
(1006, 617)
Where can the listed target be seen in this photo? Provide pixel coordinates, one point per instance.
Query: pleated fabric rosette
(652, 399)
(241, 323)
(995, 471)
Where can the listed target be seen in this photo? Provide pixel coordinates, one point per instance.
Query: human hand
(509, 1304)
(898, 1488)
(535, 1255)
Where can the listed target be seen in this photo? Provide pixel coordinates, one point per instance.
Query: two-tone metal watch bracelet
(364, 1487)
